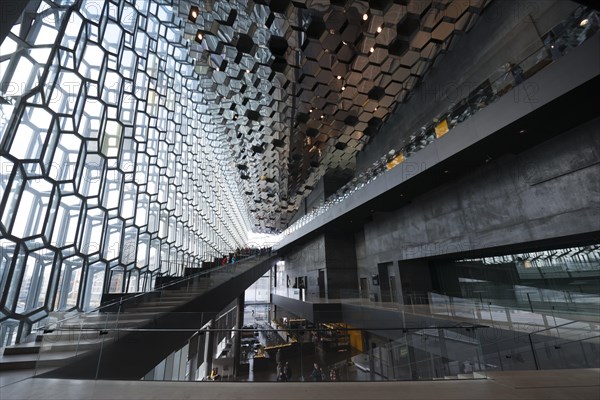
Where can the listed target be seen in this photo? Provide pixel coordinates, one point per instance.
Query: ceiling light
(344, 43)
(311, 110)
(339, 77)
(322, 116)
(198, 38)
(194, 12)
(247, 71)
(375, 109)
(365, 16)
(584, 22)
(372, 49)
(332, 31)
(343, 87)
(379, 29)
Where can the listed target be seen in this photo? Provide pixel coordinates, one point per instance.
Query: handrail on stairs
(48, 327)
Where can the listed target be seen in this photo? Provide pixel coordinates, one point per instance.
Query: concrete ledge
(546, 385)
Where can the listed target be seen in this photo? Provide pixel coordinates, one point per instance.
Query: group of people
(240, 253)
(318, 375)
(284, 372)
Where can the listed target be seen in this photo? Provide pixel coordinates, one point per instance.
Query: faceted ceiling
(293, 89)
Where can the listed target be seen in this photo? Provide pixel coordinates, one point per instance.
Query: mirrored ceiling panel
(294, 89)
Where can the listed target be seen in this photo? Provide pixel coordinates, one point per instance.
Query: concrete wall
(341, 276)
(508, 30)
(307, 260)
(335, 255)
(549, 191)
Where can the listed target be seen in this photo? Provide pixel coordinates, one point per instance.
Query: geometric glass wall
(110, 175)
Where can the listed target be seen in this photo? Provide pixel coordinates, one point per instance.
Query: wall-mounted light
(193, 15)
(199, 36)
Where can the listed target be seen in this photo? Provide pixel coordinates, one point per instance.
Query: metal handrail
(120, 301)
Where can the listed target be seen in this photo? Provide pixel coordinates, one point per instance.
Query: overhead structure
(294, 89)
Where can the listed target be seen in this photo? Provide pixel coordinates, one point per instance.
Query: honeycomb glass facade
(110, 176)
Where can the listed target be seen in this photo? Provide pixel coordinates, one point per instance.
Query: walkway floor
(530, 385)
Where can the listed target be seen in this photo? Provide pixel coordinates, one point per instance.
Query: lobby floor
(546, 385)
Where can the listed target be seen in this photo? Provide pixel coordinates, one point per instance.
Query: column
(237, 338)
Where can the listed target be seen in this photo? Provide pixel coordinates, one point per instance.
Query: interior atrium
(352, 190)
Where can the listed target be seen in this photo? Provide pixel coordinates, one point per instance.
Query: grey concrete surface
(543, 385)
(549, 191)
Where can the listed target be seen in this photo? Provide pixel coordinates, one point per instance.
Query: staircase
(92, 344)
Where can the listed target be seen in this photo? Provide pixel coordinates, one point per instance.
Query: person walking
(315, 374)
(281, 377)
(279, 369)
(287, 370)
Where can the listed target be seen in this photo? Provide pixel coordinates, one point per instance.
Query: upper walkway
(564, 87)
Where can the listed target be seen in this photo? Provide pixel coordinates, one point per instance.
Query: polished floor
(531, 385)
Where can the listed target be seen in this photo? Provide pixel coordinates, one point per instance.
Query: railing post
(529, 300)
(535, 360)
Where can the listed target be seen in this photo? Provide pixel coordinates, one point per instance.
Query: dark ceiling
(294, 89)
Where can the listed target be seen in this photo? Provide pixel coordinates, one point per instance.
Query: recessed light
(379, 29)
(584, 22)
(332, 31)
(372, 49)
(339, 77)
(343, 87)
(365, 16)
(446, 171)
(311, 110)
(523, 131)
(247, 71)
(194, 12)
(322, 116)
(375, 109)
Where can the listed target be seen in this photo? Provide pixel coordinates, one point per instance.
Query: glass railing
(575, 344)
(570, 33)
(209, 353)
(147, 344)
(292, 293)
(163, 295)
(507, 316)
